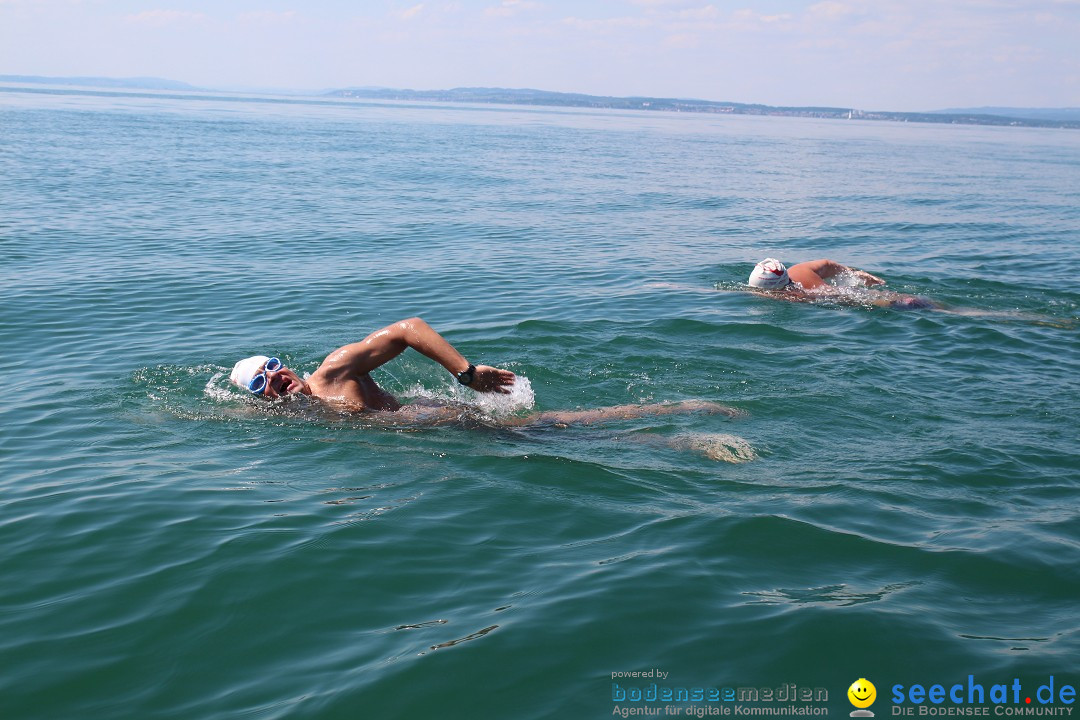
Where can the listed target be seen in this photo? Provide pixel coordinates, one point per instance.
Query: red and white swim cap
(769, 274)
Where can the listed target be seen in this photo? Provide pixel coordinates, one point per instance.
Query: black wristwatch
(465, 377)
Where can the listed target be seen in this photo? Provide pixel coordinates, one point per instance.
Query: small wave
(467, 638)
(836, 595)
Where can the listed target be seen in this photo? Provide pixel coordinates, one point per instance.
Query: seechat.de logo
(862, 694)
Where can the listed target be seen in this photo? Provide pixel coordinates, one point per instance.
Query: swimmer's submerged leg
(715, 446)
(721, 447)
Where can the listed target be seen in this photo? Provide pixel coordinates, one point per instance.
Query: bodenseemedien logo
(862, 694)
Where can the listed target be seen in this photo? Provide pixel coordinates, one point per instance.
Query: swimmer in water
(807, 281)
(343, 380)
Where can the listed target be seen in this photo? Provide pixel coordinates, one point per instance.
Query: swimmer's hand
(868, 279)
(491, 379)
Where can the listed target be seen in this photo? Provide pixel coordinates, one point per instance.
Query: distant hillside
(1053, 114)
(544, 97)
(139, 83)
(526, 96)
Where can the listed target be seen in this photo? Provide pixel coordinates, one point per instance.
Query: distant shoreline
(554, 99)
(500, 96)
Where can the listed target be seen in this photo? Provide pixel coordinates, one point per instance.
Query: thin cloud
(162, 18)
(266, 16)
(509, 8)
(709, 12)
(657, 3)
(684, 41)
(831, 8)
(747, 16)
(607, 24)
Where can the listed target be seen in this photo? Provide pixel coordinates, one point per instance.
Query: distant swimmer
(807, 281)
(344, 381)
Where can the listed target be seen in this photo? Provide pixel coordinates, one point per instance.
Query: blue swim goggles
(258, 383)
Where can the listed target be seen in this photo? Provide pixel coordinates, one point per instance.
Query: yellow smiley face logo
(862, 693)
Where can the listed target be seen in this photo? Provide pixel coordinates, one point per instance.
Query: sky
(903, 55)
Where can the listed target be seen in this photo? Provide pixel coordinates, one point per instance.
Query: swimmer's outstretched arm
(382, 346)
(813, 273)
(621, 412)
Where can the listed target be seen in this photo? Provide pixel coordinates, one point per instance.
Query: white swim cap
(245, 371)
(769, 274)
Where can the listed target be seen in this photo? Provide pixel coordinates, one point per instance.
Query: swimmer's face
(284, 381)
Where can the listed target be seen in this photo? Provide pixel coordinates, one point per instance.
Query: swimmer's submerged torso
(854, 296)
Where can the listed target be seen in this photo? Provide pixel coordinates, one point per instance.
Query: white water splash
(847, 279)
(218, 390)
(493, 405)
